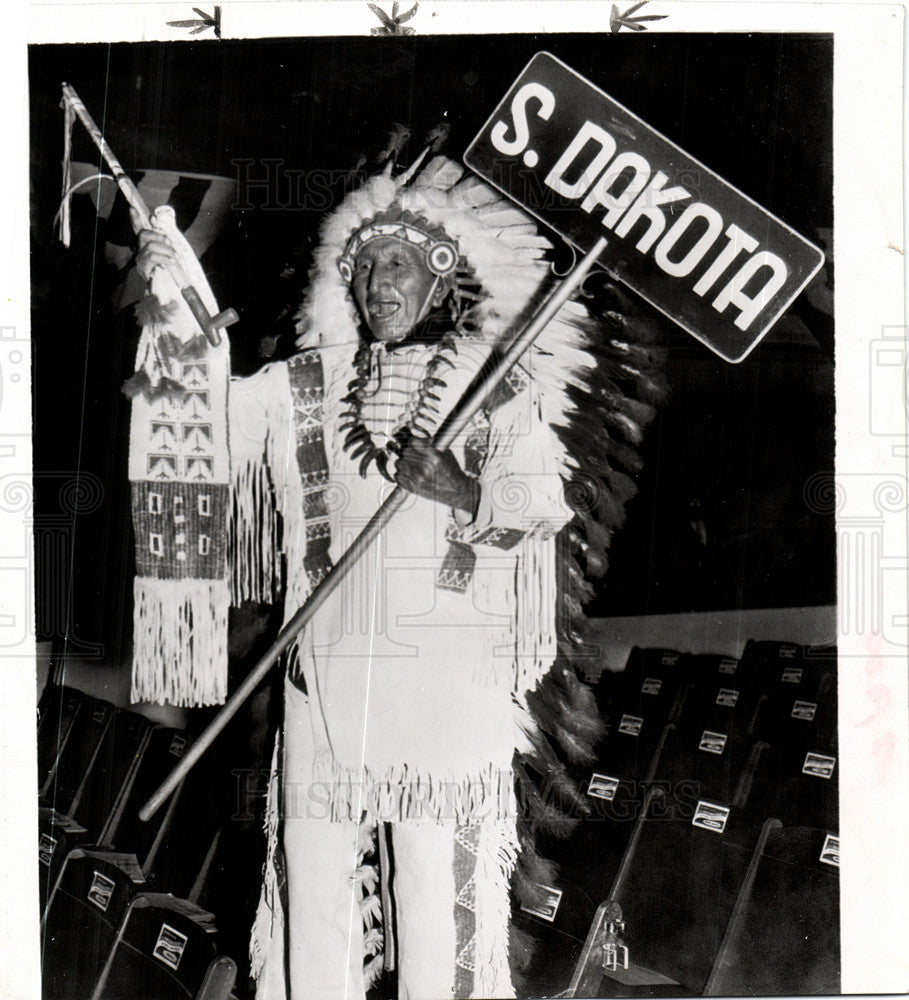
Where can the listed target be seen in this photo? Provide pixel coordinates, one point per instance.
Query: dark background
(721, 520)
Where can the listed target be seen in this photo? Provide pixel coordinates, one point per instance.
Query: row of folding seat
(119, 897)
(708, 762)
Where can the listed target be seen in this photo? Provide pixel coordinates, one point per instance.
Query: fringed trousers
(326, 932)
(450, 889)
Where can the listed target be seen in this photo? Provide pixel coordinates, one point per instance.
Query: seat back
(784, 936)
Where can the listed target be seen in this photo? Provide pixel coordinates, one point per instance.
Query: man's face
(393, 288)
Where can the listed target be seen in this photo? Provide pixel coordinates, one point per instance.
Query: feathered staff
(178, 461)
(74, 108)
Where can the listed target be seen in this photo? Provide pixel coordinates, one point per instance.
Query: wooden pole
(443, 440)
(208, 324)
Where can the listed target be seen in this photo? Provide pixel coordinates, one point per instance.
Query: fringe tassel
(367, 881)
(253, 536)
(268, 925)
(535, 627)
(498, 854)
(404, 793)
(180, 642)
(267, 937)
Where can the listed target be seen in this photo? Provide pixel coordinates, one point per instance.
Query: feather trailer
(607, 374)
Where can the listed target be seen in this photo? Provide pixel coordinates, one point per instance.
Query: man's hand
(155, 249)
(423, 469)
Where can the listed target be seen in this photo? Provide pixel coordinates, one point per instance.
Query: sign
(101, 891)
(651, 685)
(710, 816)
(804, 710)
(712, 742)
(548, 906)
(819, 765)
(602, 786)
(727, 697)
(630, 725)
(693, 246)
(830, 852)
(170, 946)
(46, 847)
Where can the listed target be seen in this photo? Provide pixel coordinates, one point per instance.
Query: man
(405, 696)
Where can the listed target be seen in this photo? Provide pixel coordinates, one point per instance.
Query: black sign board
(692, 245)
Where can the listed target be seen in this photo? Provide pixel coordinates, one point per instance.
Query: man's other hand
(423, 469)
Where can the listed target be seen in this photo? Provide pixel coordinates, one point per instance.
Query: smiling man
(401, 696)
(405, 697)
(394, 288)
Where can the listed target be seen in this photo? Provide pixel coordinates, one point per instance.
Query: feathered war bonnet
(501, 274)
(499, 265)
(595, 365)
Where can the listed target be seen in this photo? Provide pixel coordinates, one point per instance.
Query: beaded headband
(440, 253)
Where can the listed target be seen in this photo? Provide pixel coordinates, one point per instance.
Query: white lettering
(739, 240)
(616, 204)
(587, 132)
(734, 291)
(527, 93)
(691, 259)
(647, 205)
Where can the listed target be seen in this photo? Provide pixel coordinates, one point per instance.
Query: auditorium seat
(189, 827)
(615, 788)
(119, 897)
(107, 780)
(679, 888)
(164, 950)
(810, 703)
(783, 938)
(797, 780)
(652, 679)
(108, 938)
(57, 712)
(68, 778)
(113, 769)
(57, 836)
(87, 906)
(165, 747)
(706, 757)
(707, 750)
(637, 710)
(714, 667)
(636, 706)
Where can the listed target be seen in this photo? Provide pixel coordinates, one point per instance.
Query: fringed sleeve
(521, 488)
(521, 508)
